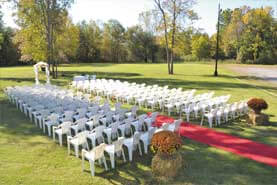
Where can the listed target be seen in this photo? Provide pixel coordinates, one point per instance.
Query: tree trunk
(165, 35)
(173, 39)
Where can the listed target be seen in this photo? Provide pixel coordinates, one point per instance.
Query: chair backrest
(177, 124)
(117, 106)
(134, 110)
(99, 151)
(81, 123)
(96, 120)
(136, 137)
(93, 110)
(151, 133)
(44, 113)
(82, 112)
(213, 111)
(127, 124)
(141, 119)
(99, 131)
(165, 126)
(39, 107)
(117, 117)
(114, 126)
(122, 113)
(154, 116)
(234, 106)
(54, 118)
(68, 115)
(82, 137)
(118, 144)
(109, 117)
(65, 126)
(58, 110)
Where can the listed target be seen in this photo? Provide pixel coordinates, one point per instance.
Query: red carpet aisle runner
(242, 147)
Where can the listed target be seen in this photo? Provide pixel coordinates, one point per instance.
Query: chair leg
(202, 120)
(187, 114)
(68, 147)
(83, 162)
(60, 139)
(49, 130)
(91, 162)
(40, 122)
(140, 153)
(145, 147)
(44, 129)
(109, 138)
(105, 163)
(76, 148)
(36, 121)
(112, 159)
(123, 154)
(210, 122)
(130, 152)
(54, 134)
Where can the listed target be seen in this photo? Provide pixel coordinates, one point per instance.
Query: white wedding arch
(36, 70)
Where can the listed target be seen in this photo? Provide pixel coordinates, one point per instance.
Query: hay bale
(258, 119)
(166, 167)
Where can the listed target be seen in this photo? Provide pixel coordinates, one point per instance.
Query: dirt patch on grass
(265, 73)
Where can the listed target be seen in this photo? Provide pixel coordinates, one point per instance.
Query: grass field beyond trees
(28, 157)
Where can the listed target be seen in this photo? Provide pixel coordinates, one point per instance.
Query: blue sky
(127, 11)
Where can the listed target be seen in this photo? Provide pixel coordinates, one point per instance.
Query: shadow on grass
(88, 65)
(18, 80)
(71, 74)
(14, 122)
(203, 162)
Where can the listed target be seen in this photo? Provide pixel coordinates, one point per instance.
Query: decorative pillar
(36, 74)
(47, 75)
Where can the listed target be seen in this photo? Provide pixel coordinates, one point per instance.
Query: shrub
(257, 104)
(166, 142)
(190, 58)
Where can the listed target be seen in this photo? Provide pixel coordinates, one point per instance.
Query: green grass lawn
(29, 157)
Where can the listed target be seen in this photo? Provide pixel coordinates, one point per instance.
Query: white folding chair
(96, 153)
(115, 148)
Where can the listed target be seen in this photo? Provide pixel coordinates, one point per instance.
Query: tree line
(164, 34)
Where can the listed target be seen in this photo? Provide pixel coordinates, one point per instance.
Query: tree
(113, 44)
(233, 32)
(173, 14)
(141, 45)
(8, 50)
(259, 32)
(90, 41)
(201, 47)
(9, 54)
(67, 43)
(43, 18)
(1, 28)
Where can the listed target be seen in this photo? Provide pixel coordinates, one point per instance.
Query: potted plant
(168, 160)
(256, 116)
(257, 105)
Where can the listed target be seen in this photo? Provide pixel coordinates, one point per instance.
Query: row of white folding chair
(129, 142)
(194, 105)
(53, 120)
(102, 86)
(98, 132)
(117, 146)
(225, 113)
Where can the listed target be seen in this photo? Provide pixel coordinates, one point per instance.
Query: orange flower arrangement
(166, 142)
(257, 104)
